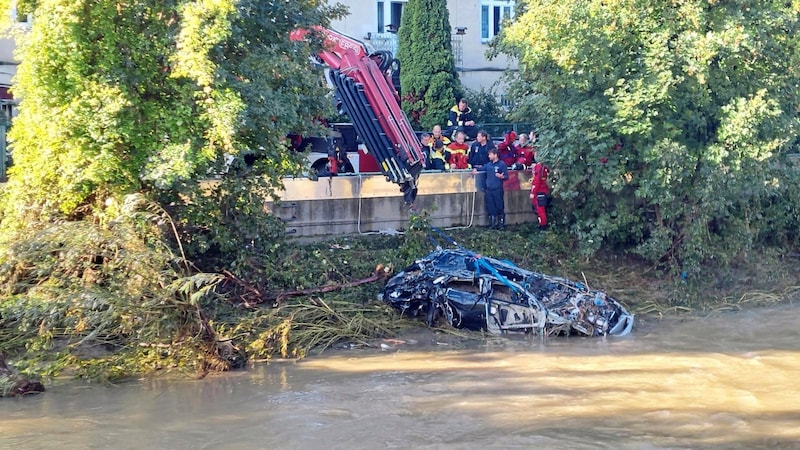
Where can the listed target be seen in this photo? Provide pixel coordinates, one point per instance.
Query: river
(728, 381)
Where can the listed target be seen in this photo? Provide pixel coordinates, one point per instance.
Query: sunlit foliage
(667, 123)
(147, 100)
(153, 96)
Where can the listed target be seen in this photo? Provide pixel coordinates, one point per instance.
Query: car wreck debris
(471, 291)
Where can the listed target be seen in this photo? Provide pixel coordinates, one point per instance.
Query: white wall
(476, 71)
(8, 66)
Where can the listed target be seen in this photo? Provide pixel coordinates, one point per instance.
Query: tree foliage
(667, 123)
(153, 97)
(147, 100)
(430, 84)
(483, 103)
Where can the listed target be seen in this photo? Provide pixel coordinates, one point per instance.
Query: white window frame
(381, 16)
(387, 14)
(492, 15)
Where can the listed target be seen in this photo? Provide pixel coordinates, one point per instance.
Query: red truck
(364, 91)
(344, 144)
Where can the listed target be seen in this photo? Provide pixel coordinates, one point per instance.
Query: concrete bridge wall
(363, 203)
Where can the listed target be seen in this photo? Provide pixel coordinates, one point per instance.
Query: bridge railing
(497, 130)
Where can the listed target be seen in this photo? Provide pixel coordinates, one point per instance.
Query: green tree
(126, 111)
(153, 96)
(667, 123)
(485, 106)
(428, 78)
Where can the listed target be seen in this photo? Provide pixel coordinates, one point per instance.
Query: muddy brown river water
(729, 381)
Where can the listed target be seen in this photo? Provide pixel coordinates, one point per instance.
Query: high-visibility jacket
(445, 140)
(456, 117)
(458, 155)
(438, 160)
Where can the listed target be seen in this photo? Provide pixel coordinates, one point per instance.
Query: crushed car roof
(476, 292)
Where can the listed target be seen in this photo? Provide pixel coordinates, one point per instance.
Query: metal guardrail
(497, 130)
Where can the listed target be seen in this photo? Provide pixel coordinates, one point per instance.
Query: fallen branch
(247, 287)
(380, 273)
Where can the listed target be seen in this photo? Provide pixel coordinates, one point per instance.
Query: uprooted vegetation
(104, 302)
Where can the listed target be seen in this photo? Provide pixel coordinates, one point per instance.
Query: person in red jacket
(458, 152)
(540, 193)
(507, 149)
(526, 153)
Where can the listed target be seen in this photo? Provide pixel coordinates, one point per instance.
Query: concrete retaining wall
(363, 203)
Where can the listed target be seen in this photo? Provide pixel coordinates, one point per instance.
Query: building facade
(8, 64)
(474, 23)
(375, 22)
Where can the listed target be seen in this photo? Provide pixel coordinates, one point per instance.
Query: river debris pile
(471, 291)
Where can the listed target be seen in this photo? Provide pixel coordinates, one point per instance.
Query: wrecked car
(471, 291)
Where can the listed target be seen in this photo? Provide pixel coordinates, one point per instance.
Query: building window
(493, 13)
(381, 23)
(389, 15)
(396, 14)
(484, 22)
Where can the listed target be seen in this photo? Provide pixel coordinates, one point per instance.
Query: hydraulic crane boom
(367, 96)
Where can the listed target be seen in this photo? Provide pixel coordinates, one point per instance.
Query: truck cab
(351, 153)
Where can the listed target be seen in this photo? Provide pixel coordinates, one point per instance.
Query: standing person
(540, 193)
(479, 151)
(496, 173)
(460, 118)
(425, 140)
(458, 152)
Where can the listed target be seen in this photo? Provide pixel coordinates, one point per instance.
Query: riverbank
(13, 384)
(754, 279)
(652, 293)
(207, 322)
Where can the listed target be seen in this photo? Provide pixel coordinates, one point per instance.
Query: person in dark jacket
(479, 151)
(438, 157)
(496, 173)
(460, 118)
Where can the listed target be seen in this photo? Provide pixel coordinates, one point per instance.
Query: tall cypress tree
(428, 77)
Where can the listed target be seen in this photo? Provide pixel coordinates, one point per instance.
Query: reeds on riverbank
(105, 303)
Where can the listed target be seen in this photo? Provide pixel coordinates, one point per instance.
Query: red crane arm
(368, 96)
